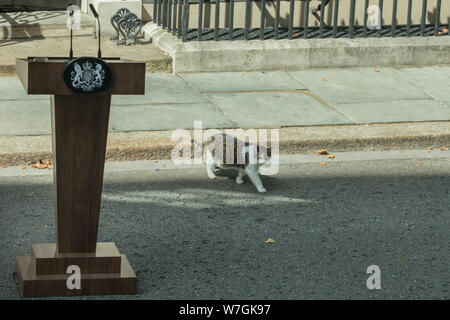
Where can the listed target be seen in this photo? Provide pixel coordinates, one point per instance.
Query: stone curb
(267, 55)
(157, 145)
(151, 66)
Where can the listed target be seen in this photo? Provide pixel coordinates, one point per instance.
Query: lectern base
(106, 272)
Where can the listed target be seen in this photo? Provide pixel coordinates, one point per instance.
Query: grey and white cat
(247, 158)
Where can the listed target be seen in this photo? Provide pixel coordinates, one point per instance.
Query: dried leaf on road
(331, 156)
(444, 149)
(2, 167)
(42, 165)
(323, 163)
(388, 148)
(376, 70)
(322, 152)
(270, 240)
(323, 79)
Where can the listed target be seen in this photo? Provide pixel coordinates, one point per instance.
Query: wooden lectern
(79, 133)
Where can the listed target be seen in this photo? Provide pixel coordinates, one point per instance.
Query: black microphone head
(69, 7)
(93, 10)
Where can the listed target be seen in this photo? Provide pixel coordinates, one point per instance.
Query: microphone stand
(71, 35)
(94, 12)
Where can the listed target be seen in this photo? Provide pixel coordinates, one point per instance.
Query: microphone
(71, 20)
(94, 12)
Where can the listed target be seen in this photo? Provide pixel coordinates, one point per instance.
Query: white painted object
(107, 8)
(85, 6)
(149, 30)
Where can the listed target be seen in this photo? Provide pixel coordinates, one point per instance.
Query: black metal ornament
(87, 75)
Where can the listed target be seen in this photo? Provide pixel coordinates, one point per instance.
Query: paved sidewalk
(255, 100)
(342, 108)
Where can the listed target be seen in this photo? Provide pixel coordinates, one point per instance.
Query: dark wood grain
(105, 260)
(79, 135)
(47, 77)
(33, 285)
(79, 128)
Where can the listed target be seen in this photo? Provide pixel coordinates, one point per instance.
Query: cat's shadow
(232, 174)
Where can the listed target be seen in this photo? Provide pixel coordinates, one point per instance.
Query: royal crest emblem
(87, 75)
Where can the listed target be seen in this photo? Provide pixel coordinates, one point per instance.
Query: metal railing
(173, 16)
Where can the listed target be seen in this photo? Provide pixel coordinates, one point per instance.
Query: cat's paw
(262, 190)
(239, 181)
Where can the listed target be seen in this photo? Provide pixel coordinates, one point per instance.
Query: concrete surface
(191, 238)
(156, 60)
(351, 109)
(275, 109)
(156, 145)
(299, 54)
(41, 24)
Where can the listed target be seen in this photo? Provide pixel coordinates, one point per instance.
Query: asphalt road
(191, 238)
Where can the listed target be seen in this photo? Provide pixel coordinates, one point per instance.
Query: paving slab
(162, 88)
(358, 85)
(395, 111)
(167, 117)
(241, 81)
(11, 89)
(25, 117)
(427, 77)
(441, 94)
(275, 109)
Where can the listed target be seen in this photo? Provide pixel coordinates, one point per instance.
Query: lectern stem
(79, 129)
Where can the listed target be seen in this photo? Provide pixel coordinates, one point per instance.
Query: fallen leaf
(323, 79)
(376, 70)
(417, 164)
(24, 168)
(330, 156)
(388, 148)
(296, 34)
(430, 148)
(444, 149)
(270, 240)
(323, 163)
(2, 167)
(322, 152)
(42, 165)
